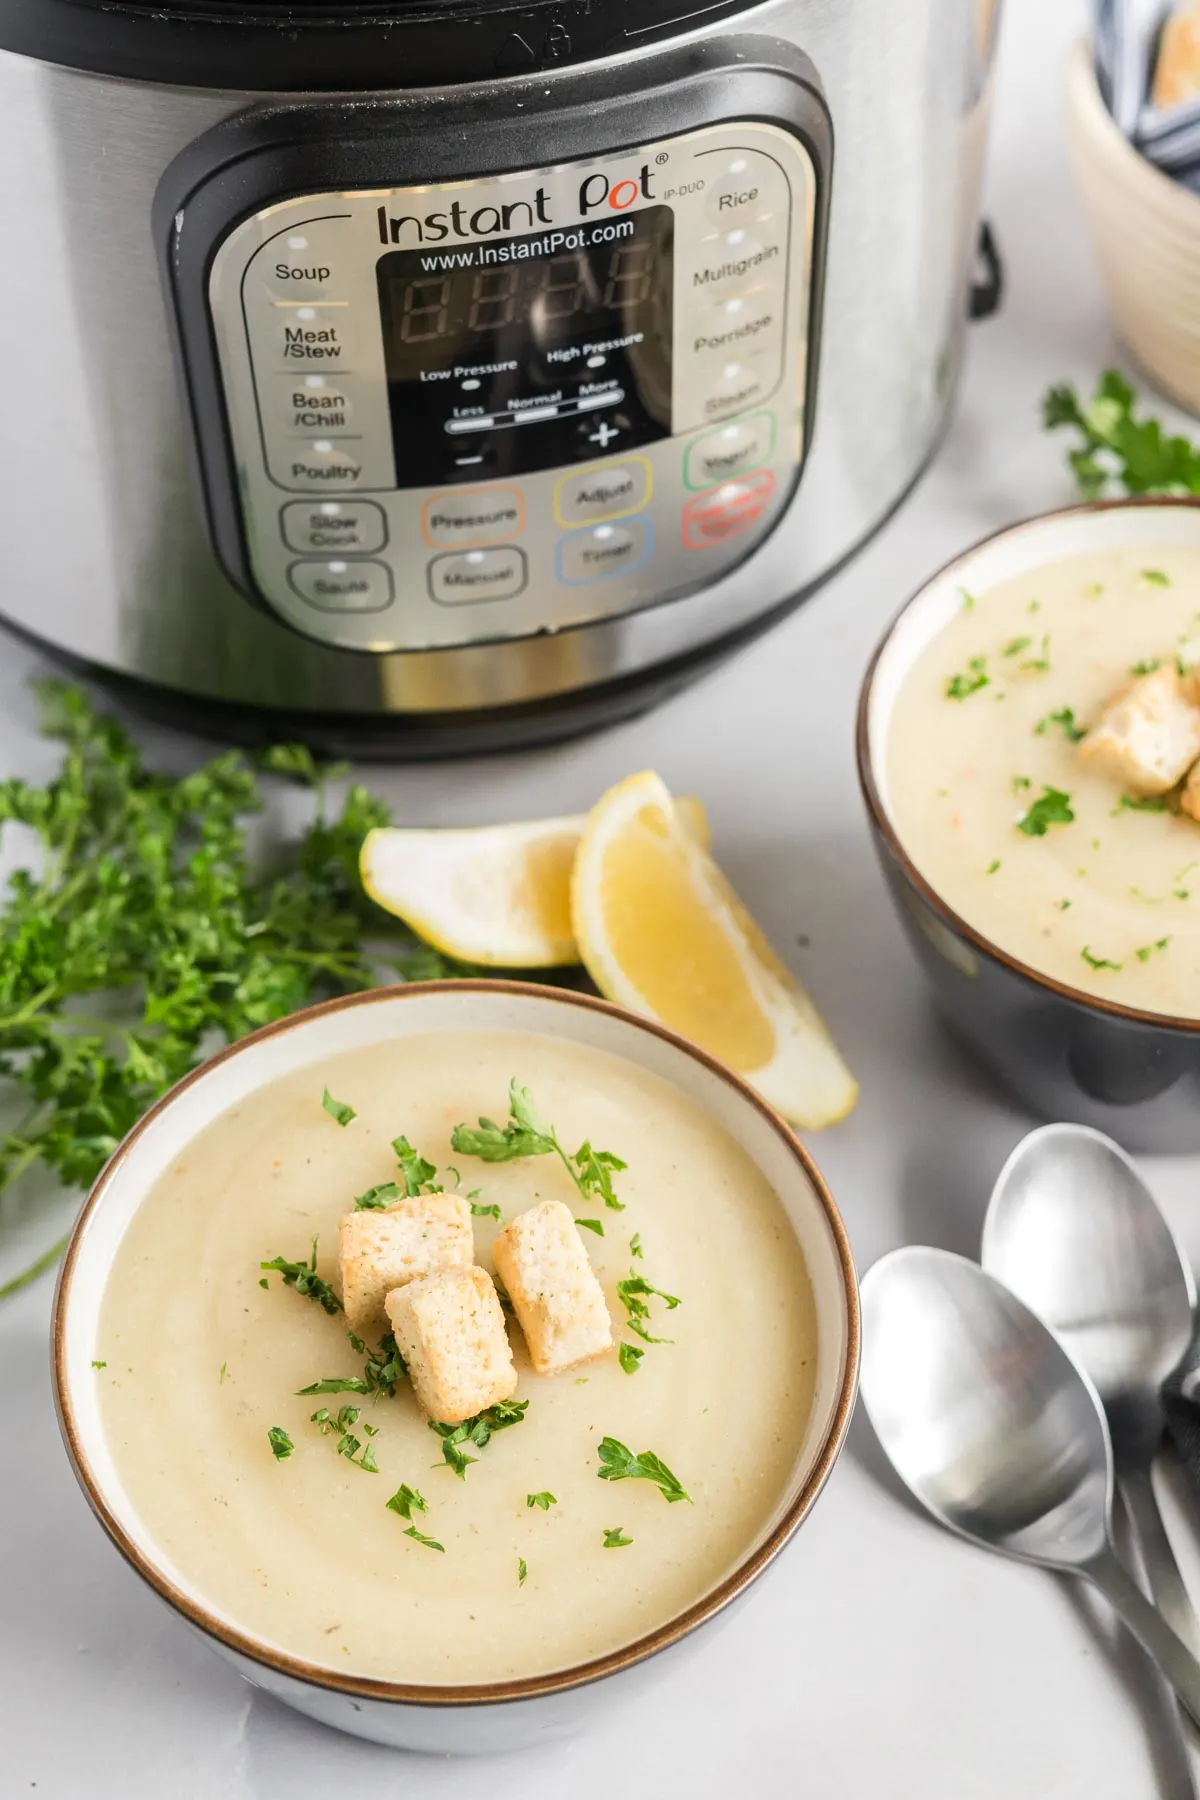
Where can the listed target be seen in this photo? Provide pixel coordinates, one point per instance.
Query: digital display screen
(528, 352)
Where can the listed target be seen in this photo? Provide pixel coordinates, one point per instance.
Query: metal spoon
(998, 1433)
(1075, 1232)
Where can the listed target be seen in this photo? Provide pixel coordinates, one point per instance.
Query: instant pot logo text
(598, 193)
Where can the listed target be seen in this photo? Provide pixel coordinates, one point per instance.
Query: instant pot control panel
(491, 407)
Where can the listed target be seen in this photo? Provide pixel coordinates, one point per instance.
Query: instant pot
(426, 376)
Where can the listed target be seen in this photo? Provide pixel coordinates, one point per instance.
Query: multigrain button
(309, 336)
(604, 551)
(727, 511)
(729, 450)
(342, 587)
(589, 496)
(731, 262)
(473, 517)
(466, 576)
(333, 525)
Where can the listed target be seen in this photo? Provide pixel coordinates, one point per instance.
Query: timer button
(729, 450)
(589, 496)
(479, 516)
(604, 551)
(331, 525)
(341, 587)
(468, 576)
(727, 511)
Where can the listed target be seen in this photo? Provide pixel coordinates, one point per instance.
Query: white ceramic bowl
(501, 1715)
(1146, 232)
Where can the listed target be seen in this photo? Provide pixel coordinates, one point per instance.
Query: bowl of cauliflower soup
(1029, 753)
(445, 1352)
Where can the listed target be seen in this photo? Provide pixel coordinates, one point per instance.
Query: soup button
(604, 551)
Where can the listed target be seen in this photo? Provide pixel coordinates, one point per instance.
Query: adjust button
(604, 551)
(475, 516)
(729, 450)
(310, 525)
(727, 511)
(341, 587)
(466, 576)
(588, 496)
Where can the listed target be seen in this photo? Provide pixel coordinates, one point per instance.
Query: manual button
(588, 496)
(466, 576)
(603, 551)
(333, 525)
(341, 587)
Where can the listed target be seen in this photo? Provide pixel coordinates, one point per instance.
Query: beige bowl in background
(1146, 232)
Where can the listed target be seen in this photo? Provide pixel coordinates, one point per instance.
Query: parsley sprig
(304, 1279)
(1052, 807)
(635, 1294)
(477, 1431)
(1113, 446)
(527, 1134)
(618, 1463)
(143, 933)
(383, 1368)
(406, 1501)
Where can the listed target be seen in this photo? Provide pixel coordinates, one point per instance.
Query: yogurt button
(743, 444)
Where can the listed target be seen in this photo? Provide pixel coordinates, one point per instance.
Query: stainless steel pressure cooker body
(433, 378)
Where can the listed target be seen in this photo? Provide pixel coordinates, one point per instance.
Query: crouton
(1148, 735)
(542, 1261)
(450, 1331)
(382, 1248)
(1189, 800)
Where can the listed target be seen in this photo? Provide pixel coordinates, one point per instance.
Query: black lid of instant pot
(316, 45)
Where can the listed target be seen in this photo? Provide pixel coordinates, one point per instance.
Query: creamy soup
(202, 1362)
(986, 722)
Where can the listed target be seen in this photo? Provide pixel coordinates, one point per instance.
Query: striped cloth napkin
(1129, 36)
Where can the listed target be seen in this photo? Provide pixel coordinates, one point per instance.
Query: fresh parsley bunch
(1115, 446)
(145, 935)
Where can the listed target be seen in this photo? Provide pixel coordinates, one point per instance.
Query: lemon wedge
(499, 895)
(661, 931)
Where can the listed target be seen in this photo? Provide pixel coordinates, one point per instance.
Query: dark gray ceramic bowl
(1064, 1053)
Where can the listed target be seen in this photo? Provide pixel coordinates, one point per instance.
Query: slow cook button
(589, 496)
(340, 587)
(310, 525)
(475, 516)
(604, 551)
(729, 450)
(466, 576)
(306, 336)
(727, 511)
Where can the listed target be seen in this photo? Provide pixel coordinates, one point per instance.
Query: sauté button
(339, 587)
(309, 336)
(474, 517)
(727, 511)
(729, 450)
(466, 576)
(604, 551)
(589, 496)
(333, 525)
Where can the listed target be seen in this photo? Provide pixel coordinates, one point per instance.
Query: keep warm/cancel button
(472, 575)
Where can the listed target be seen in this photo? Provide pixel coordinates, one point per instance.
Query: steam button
(340, 587)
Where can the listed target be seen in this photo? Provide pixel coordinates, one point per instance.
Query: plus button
(603, 436)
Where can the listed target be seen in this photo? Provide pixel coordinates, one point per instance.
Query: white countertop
(880, 1656)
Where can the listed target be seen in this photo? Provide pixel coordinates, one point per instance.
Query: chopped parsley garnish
(618, 1463)
(222, 1374)
(629, 1356)
(418, 1174)
(1156, 578)
(477, 1431)
(1148, 950)
(1099, 962)
(1151, 803)
(1064, 718)
(1020, 783)
(1147, 666)
(635, 1244)
(406, 1501)
(341, 1429)
(382, 1194)
(992, 867)
(337, 1384)
(963, 685)
(634, 1293)
(1064, 906)
(595, 1225)
(545, 1500)
(281, 1444)
(1052, 807)
(104, 1365)
(304, 1278)
(522, 1571)
(1034, 606)
(485, 1212)
(337, 1109)
(526, 1134)
(616, 1539)
(1017, 645)
(968, 600)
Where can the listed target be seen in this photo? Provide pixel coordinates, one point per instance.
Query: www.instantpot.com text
(517, 249)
